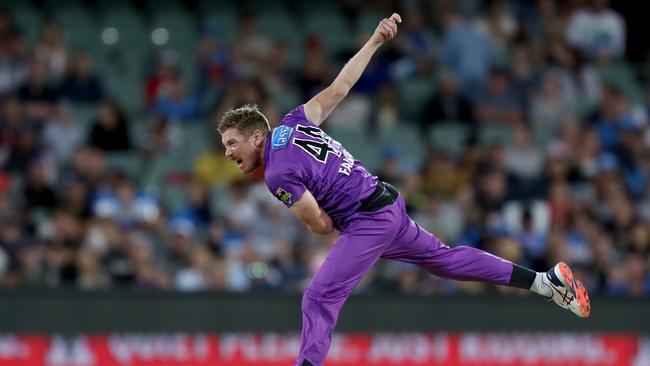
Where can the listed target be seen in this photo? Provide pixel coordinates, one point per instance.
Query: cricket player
(328, 189)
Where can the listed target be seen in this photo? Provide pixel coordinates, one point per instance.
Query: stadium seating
(449, 137)
(413, 93)
(127, 40)
(359, 144)
(28, 19)
(332, 28)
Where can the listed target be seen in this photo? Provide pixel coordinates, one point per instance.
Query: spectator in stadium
(7, 28)
(212, 60)
(447, 104)
(52, 51)
(159, 139)
(289, 265)
(57, 268)
(196, 276)
(213, 168)
(81, 85)
(492, 193)
(589, 149)
(12, 119)
(247, 91)
(578, 77)
(38, 192)
(12, 240)
(110, 131)
(128, 206)
(278, 75)
(157, 84)
(469, 54)
(251, 48)
(497, 103)
(523, 161)
(543, 21)
(391, 169)
(181, 232)
(443, 174)
(25, 150)
(388, 114)
(198, 203)
(551, 107)
(532, 238)
(525, 71)
(416, 45)
(443, 216)
(242, 208)
(91, 275)
(596, 30)
(498, 24)
(176, 104)
(120, 266)
(63, 134)
(150, 270)
(37, 95)
(315, 71)
(613, 117)
(76, 197)
(67, 230)
(13, 55)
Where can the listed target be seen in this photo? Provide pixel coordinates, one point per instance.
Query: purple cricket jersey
(298, 155)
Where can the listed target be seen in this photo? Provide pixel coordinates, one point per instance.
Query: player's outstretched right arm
(320, 106)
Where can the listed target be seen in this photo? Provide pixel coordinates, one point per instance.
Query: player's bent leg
(325, 296)
(348, 260)
(321, 306)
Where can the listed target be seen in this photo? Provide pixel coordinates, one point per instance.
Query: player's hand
(387, 29)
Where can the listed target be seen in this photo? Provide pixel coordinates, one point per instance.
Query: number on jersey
(319, 148)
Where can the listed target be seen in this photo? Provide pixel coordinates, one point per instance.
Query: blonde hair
(245, 119)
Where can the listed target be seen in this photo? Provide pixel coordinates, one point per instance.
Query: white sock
(539, 287)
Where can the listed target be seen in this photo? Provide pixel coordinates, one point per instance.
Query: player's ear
(258, 138)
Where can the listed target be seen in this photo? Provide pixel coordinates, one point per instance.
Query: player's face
(241, 149)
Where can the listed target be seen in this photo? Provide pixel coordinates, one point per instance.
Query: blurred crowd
(569, 183)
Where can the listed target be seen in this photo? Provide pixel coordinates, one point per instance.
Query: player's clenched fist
(387, 28)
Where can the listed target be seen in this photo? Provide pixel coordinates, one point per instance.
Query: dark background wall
(72, 312)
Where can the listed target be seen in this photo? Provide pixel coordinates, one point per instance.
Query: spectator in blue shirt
(469, 54)
(177, 104)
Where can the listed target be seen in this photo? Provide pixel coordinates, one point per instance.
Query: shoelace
(567, 296)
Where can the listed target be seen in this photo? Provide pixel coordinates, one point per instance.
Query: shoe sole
(578, 289)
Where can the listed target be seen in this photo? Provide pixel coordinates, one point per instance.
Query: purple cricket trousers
(387, 233)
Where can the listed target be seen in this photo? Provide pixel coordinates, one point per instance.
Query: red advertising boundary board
(372, 349)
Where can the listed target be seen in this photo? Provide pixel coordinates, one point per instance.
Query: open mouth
(239, 163)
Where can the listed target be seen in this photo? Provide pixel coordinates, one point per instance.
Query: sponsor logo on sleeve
(280, 137)
(283, 195)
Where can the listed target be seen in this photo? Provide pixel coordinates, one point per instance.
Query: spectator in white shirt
(596, 31)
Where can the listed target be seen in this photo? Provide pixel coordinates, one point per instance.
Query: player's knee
(313, 293)
(326, 293)
(310, 301)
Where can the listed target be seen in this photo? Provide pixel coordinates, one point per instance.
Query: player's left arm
(308, 211)
(320, 106)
